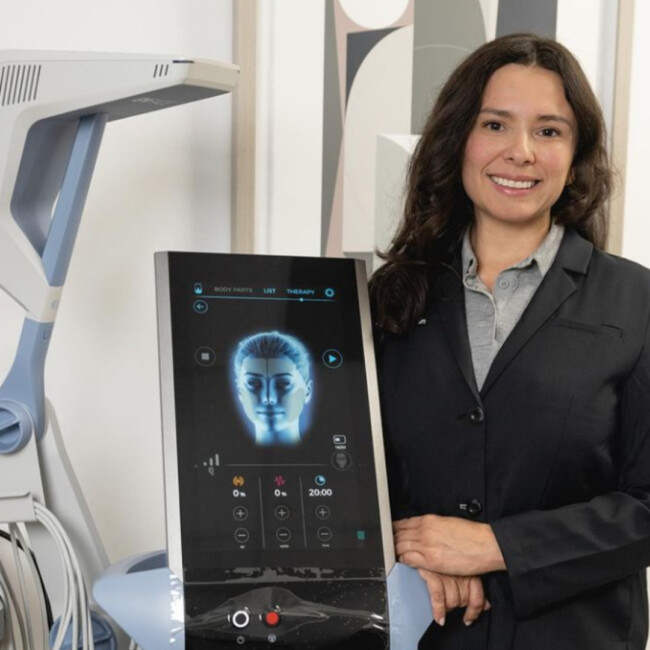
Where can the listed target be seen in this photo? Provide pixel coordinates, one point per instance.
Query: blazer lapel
(450, 307)
(557, 285)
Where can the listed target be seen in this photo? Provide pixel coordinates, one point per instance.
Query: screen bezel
(168, 413)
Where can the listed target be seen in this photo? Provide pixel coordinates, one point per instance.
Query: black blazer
(553, 452)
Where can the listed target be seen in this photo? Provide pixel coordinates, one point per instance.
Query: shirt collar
(468, 257)
(543, 255)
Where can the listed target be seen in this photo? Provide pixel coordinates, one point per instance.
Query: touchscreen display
(273, 440)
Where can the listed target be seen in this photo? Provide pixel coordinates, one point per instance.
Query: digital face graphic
(273, 386)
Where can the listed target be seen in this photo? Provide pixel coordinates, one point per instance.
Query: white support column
(290, 122)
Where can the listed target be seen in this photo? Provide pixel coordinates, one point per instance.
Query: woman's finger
(437, 596)
(407, 534)
(405, 545)
(413, 559)
(453, 592)
(476, 601)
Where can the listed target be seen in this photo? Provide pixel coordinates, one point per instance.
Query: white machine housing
(53, 110)
(37, 86)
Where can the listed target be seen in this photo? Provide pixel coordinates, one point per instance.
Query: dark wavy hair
(437, 210)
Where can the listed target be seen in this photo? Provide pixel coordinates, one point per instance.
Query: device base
(146, 599)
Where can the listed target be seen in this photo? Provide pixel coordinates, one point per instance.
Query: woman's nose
(520, 150)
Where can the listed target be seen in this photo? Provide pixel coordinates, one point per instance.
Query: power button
(272, 619)
(240, 619)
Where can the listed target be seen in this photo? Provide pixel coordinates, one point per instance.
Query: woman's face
(272, 391)
(519, 152)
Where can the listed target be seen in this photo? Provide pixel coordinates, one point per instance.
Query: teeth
(517, 185)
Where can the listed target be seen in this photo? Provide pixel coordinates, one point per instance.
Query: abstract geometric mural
(527, 16)
(444, 33)
(366, 92)
(385, 62)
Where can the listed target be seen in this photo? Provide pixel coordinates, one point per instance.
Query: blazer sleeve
(556, 554)
(397, 474)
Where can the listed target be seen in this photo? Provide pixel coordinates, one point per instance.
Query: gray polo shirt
(492, 316)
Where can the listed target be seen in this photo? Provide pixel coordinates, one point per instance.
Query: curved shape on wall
(444, 33)
(359, 46)
(332, 132)
(375, 14)
(379, 102)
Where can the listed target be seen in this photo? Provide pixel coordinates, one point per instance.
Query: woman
(514, 367)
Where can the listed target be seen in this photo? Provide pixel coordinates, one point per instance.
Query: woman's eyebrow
(550, 117)
(496, 111)
(555, 118)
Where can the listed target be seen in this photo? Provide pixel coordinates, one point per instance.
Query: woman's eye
(550, 132)
(253, 384)
(493, 126)
(284, 384)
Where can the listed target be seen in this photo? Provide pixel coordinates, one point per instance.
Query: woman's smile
(508, 183)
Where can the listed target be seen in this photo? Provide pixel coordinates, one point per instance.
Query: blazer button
(472, 508)
(477, 415)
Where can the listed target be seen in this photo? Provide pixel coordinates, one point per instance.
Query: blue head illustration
(273, 384)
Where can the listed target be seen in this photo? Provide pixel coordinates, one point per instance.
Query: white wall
(593, 44)
(290, 140)
(162, 181)
(636, 219)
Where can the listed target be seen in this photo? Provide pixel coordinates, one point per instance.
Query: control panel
(266, 616)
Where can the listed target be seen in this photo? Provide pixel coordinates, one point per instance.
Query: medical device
(277, 502)
(53, 110)
(278, 524)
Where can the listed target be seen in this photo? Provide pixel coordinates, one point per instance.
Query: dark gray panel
(448, 22)
(444, 33)
(537, 16)
(359, 45)
(434, 64)
(332, 123)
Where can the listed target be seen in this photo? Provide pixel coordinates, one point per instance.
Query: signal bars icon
(211, 464)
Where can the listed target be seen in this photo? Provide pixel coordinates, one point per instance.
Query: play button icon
(332, 358)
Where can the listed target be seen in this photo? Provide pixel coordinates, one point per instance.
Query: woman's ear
(570, 178)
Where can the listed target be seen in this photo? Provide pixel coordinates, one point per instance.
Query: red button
(272, 619)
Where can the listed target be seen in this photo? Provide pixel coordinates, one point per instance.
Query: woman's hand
(449, 592)
(448, 545)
